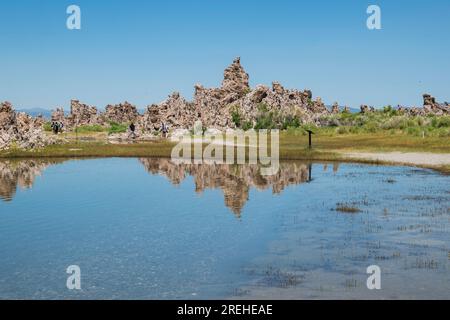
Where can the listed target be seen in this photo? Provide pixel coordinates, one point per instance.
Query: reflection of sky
(136, 235)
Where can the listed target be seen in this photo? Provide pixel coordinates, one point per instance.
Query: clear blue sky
(141, 51)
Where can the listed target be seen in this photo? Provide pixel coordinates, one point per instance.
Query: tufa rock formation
(366, 109)
(20, 173)
(335, 108)
(20, 129)
(210, 104)
(176, 112)
(120, 113)
(233, 104)
(59, 116)
(214, 106)
(83, 114)
(431, 106)
(235, 184)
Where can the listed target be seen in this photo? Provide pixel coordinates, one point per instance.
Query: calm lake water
(150, 229)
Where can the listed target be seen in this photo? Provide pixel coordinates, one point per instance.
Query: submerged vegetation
(347, 208)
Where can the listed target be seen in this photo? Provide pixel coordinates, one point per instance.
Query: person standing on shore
(132, 128)
(164, 130)
(55, 127)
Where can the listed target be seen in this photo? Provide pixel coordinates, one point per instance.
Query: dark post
(310, 144)
(309, 136)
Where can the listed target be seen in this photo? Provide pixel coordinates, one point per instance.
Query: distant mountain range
(34, 112)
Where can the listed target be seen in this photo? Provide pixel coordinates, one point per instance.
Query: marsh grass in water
(274, 277)
(347, 208)
(304, 251)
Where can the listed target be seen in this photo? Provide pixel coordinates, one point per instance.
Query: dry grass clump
(347, 208)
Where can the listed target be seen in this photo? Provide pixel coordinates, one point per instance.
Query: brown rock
(335, 108)
(120, 113)
(20, 129)
(235, 184)
(175, 112)
(235, 80)
(83, 114)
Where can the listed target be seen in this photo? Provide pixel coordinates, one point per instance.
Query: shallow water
(150, 229)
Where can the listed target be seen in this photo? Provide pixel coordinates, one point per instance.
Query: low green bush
(117, 128)
(48, 126)
(290, 122)
(265, 119)
(90, 128)
(247, 125)
(441, 122)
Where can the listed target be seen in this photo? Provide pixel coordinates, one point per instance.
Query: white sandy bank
(415, 158)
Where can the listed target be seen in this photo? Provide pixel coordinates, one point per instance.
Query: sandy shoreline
(414, 158)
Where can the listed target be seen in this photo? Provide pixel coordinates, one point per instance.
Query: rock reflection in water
(234, 180)
(20, 173)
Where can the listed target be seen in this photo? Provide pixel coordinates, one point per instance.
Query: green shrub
(236, 118)
(265, 119)
(48, 126)
(414, 131)
(371, 126)
(440, 122)
(354, 129)
(397, 122)
(90, 128)
(310, 127)
(117, 128)
(390, 111)
(342, 130)
(444, 133)
(247, 125)
(290, 122)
